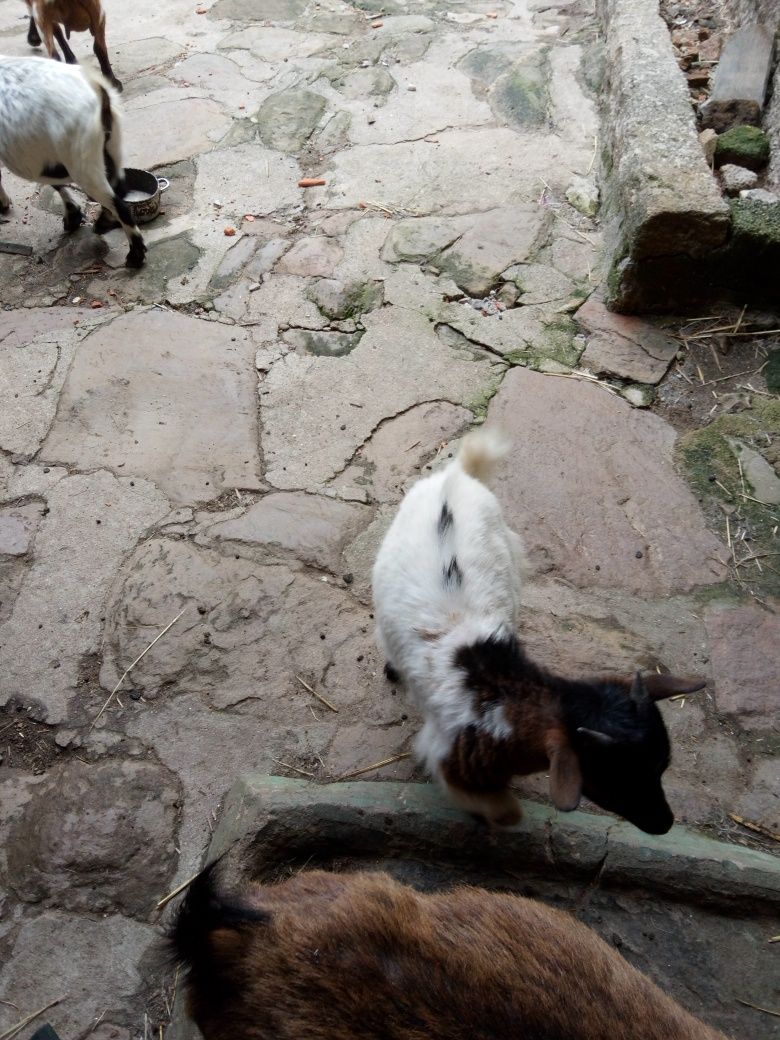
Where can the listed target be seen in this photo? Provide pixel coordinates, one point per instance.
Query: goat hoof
(33, 39)
(117, 84)
(136, 256)
(391, 674)
(72, 220)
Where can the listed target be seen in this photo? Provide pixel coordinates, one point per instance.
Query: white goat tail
(481, 451)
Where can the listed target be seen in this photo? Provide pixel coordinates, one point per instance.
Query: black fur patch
(56, 171)
(106, 115)
(446, 520)
(452, 573)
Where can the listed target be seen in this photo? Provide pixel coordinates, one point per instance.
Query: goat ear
(661, 686)
(565, 773)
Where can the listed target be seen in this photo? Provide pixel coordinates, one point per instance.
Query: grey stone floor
(219, 441)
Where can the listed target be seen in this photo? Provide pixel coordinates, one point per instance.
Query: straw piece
(20, 1025)
(375, 765)
(172, 895)
(129, 669)
(751, 826)
(295, 769)
(314, 693)
(757, 1007)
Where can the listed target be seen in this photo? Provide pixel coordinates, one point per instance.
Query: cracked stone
(100, 970)
(541, 284)
(496, 240)
(485, 64)
(259, 620)
(128, 404)
(37, 346)
(300, 395)
(761, 802)
(421, 238)
(246, 179)
(322, 344)
(393, 456)
(314, 257)
(287, 120)
(237, 258)
(743, 642)
(626, 347)
(192, 125)
(361, 83)
(258, 10)
(338, 300)
(96, 837)
(312, 528)
(570, 434)
(432, 98)
(520, 96)
(64, 594)
(523, 335)
(18, 525)
(422, 174)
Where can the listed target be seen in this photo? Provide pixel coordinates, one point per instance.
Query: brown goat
(334, 956)
(76, 16)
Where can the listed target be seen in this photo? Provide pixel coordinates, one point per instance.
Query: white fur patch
(413, 600)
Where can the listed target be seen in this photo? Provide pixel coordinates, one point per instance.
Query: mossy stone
(744, 146)
(757, 221)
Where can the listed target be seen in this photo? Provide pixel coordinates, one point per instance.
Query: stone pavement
(219, 441)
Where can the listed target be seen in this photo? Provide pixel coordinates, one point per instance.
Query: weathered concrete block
(741, 79)
(286, 820)
(660, 197)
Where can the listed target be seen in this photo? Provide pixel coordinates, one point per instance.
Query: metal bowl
(142, 194)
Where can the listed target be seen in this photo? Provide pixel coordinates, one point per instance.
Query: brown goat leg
(47, 29)
(67, 53)
(101, 53)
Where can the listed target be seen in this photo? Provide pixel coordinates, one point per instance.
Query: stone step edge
(385, 817)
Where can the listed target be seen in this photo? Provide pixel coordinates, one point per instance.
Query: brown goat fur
(327, 956)
(76, 16)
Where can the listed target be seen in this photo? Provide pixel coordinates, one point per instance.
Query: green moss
(744, 145)
(711, 468)
(521, 95)
(557, 344)
(479, 405)
(757, 221)
(772, 372)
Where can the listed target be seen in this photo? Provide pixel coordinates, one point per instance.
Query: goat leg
(5, 202)
(101, 53)
(68, 54)
(33, 36)
(73, 213)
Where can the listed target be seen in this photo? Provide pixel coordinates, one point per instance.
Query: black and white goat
(446, 585)
(60, 124)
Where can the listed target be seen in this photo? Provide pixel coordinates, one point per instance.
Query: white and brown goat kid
(446, 586)
(47, 18)
(60, 124)
(326, 956)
